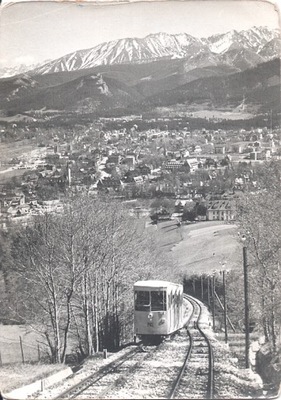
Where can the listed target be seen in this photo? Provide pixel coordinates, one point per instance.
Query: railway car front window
(142, 301)
(158, 301)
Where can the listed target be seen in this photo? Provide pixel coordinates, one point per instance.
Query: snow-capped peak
(160, 45)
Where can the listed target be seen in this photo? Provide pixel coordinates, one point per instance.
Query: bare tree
(48, 271)
(75, 274)
(259, 219)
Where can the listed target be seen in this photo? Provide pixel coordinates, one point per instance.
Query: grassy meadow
(201, 247)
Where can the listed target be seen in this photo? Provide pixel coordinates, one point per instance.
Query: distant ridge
(261, 43)
(235, 69)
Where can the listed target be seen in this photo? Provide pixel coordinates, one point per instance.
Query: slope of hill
(271, 47)
(259, 86)
(144, 86)
(57, 90)
(89, 93)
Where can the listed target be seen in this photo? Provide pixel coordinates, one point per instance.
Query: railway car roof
(155, 283)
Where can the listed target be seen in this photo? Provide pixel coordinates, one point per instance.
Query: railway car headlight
(162, 321)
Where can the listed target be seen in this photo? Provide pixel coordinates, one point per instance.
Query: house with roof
(110, 183)
(219, 148)
(193, 164)
(221, 210)
(114, 159)
(9, 203)
(18, 210)
(129, 160)
(174, 164)
(197, 150)
(138, 180)
(144, 169)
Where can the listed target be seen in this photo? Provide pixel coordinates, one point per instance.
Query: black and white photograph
(140, 199)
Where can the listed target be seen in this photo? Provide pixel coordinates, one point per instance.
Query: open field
(168, 234)
(202, 247)
(15, 376)
(13, 373)
(15, 149)
(7, 174)
(17, 118)
(10, 346)
(204, 111)
(24, 150)
(229, 115)
(206, 246)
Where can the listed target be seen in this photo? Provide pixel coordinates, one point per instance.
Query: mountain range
(158, 70)
(256, 45)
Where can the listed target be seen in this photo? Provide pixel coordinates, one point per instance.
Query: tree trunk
(87, 316)
(273, 322)
(80, 340)
(66, 329)
(57, 341)
(96, 317)
(264, 319)
(117, 326)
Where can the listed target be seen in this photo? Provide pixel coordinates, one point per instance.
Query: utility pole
(208, 290)
(225, 307)
(202, 288)
(213, 300)
(246, 299)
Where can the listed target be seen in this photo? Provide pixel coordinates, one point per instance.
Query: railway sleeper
(202, 372)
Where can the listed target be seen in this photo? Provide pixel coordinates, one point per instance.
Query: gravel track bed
(230, 380)
(194, 381)
(155, 376)
(159, 366)
(113, 380)
(90, 366)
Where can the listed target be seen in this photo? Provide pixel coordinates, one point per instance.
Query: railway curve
(196, 376)
(177, 368)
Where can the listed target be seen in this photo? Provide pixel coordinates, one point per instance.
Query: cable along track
(196, 378)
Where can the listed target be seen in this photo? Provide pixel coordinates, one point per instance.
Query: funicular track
(194, 380)
(196, 377)
(100, 383)
(93, 379)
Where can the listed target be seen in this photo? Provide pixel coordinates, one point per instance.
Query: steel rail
(77, 389)
(210, 389)
(210, 385)
(123, 377)
(84, 384)
(179, 377)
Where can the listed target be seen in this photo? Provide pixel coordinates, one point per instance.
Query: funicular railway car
(158, 309)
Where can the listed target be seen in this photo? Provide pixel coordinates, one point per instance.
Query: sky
(33, 32)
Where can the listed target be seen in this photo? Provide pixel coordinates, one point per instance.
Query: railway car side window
(158, 301)
(170, 299)
(141, 300)
(178, 298)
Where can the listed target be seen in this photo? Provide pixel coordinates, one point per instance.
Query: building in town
(221, 210)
